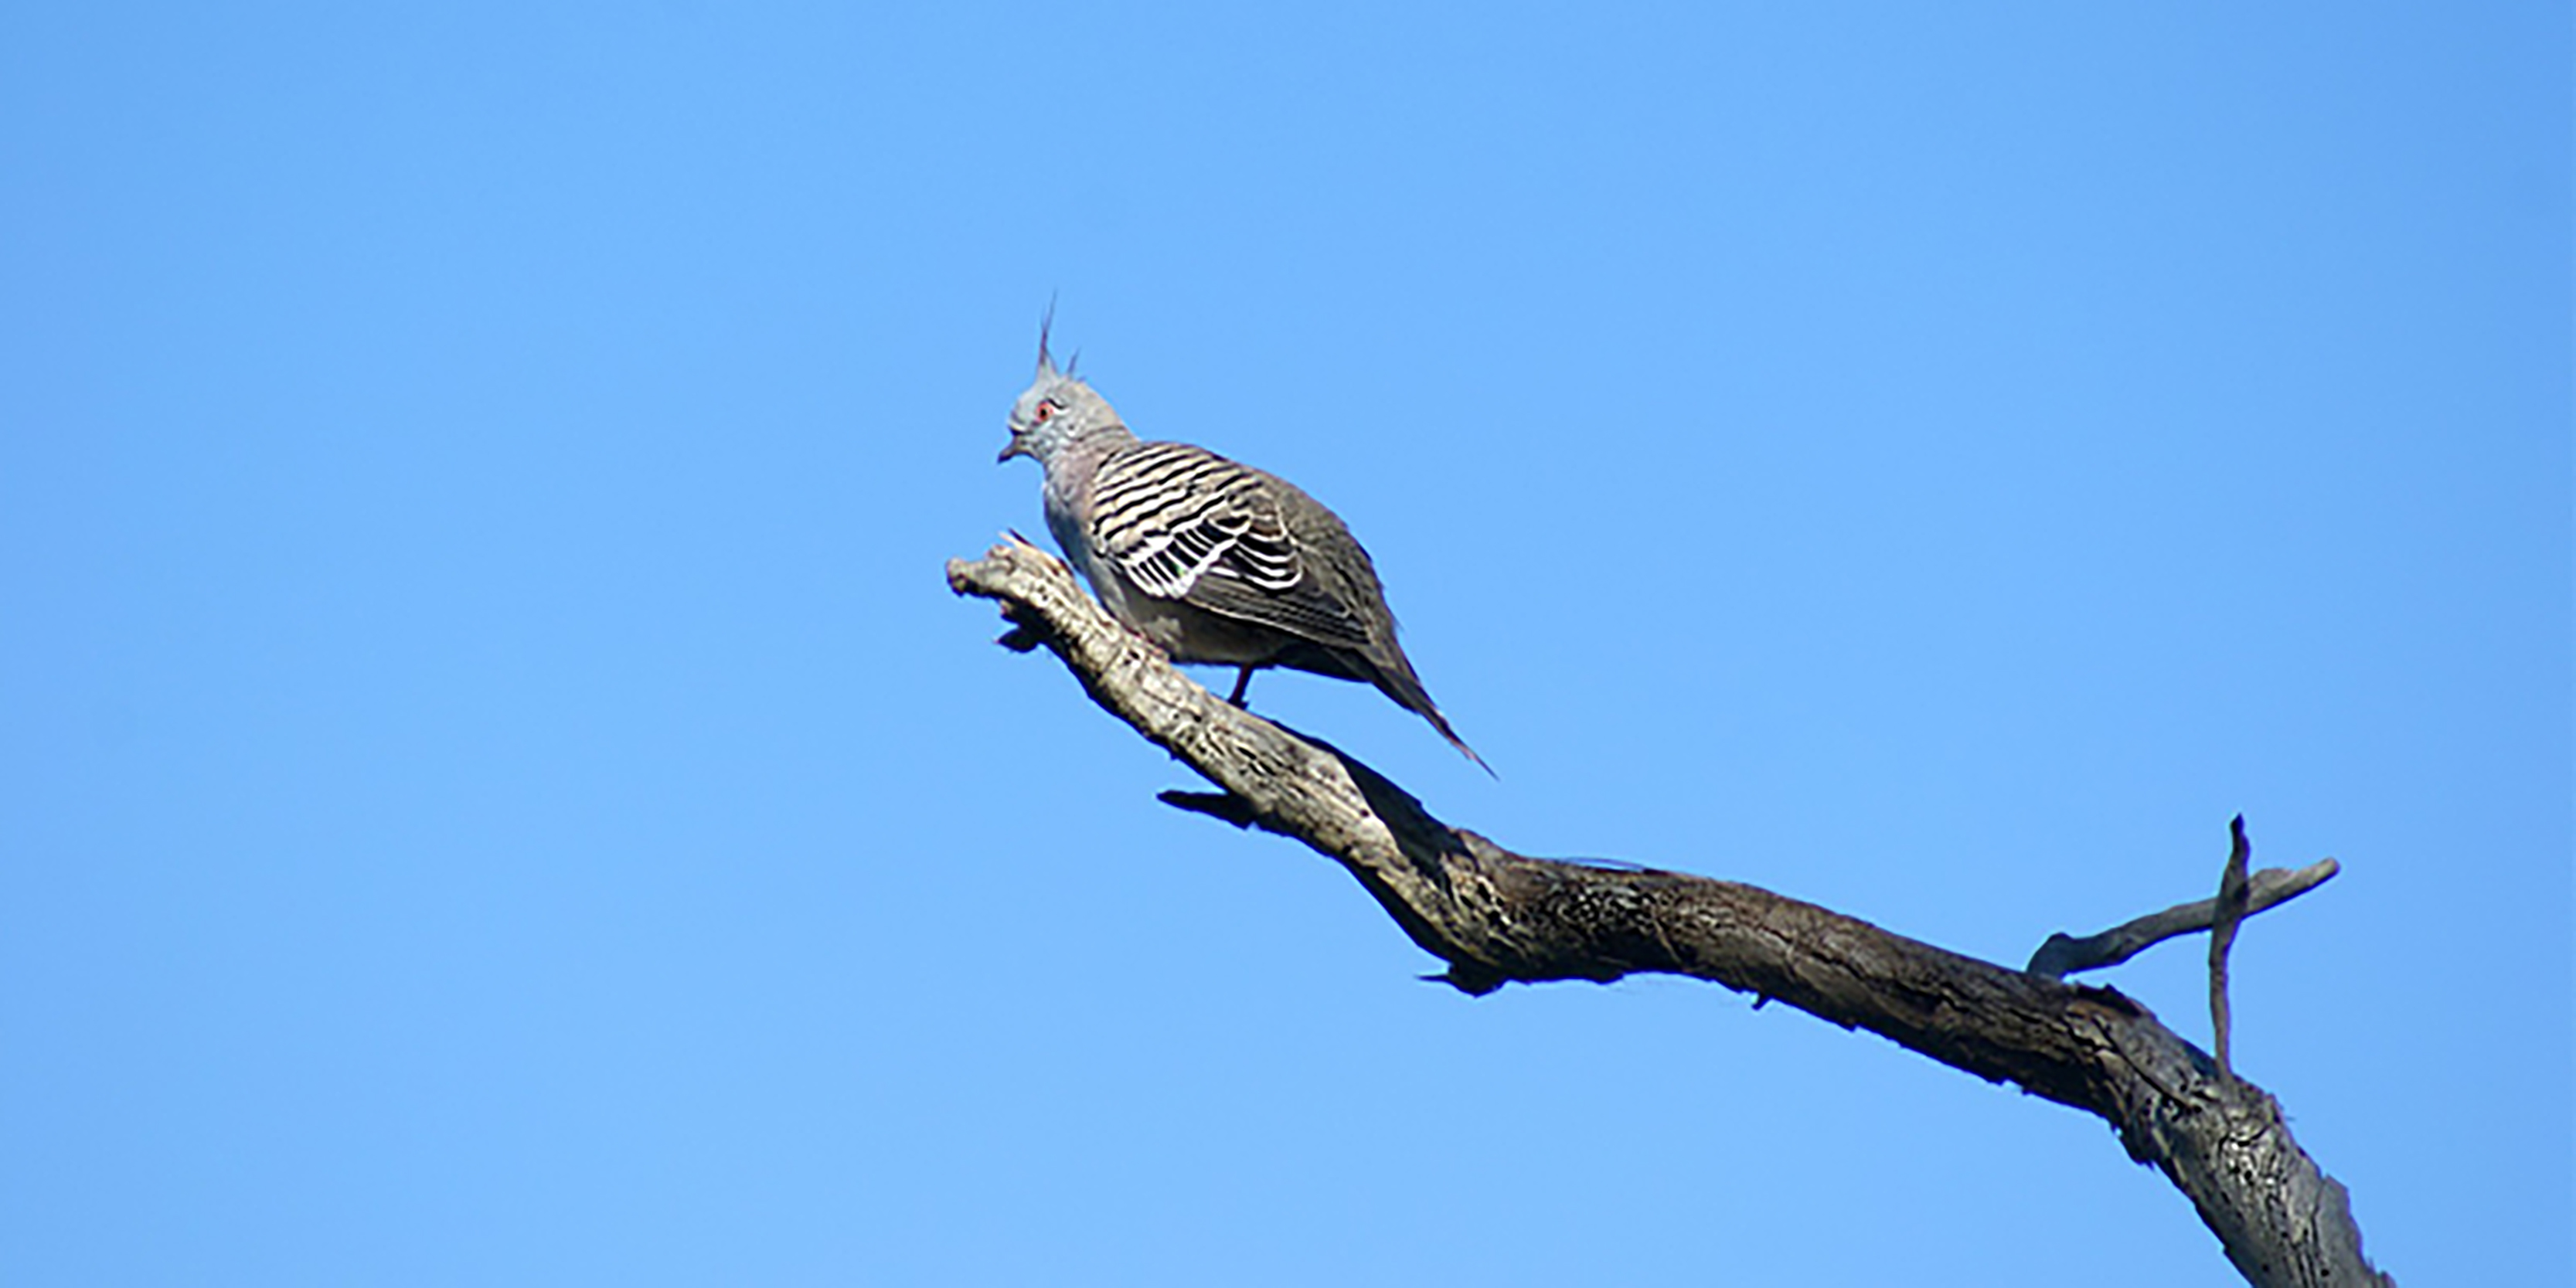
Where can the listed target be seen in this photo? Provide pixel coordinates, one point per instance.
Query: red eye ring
(1045, 411)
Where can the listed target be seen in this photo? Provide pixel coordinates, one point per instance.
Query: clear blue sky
(495, 790)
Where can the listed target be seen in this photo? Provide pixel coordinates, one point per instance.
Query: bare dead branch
(1497, 917)
(2065, 955)
(2222, 937)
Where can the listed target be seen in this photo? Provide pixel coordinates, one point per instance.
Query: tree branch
(2065, 955)
(1497, 917)
(2222, 938)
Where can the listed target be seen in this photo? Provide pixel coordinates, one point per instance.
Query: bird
(1212, 560)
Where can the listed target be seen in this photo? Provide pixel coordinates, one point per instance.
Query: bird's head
(1056, 410)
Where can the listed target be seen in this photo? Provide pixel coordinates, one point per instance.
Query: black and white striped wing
(1184, 523)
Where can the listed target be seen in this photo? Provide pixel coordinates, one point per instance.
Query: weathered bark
(1496, 917)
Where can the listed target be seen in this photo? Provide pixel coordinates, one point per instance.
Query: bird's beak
(1016, 448)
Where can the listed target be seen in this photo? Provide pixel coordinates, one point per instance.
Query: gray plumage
(1212, 560)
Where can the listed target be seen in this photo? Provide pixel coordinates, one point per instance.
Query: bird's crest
(1057, 407)
(1046, 360)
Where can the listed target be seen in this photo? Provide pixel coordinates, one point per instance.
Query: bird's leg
(1241, 682)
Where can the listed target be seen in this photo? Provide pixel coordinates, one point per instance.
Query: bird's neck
(1070, 467)
(1084, 452)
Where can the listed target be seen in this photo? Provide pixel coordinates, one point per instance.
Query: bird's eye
(1046, 411)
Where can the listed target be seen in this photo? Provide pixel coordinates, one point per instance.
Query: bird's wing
(1184, 523)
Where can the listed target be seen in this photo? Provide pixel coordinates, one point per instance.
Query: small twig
(1225, 806)
(2222, 936)
(1021, 638)
(2065, 954)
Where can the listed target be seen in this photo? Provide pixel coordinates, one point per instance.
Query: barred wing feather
(1185, 523)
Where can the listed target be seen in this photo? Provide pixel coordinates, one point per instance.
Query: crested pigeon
(1213, 561)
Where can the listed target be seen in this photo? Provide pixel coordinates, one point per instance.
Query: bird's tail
(1393, 675)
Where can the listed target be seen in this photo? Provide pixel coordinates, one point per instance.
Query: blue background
(495, 789)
